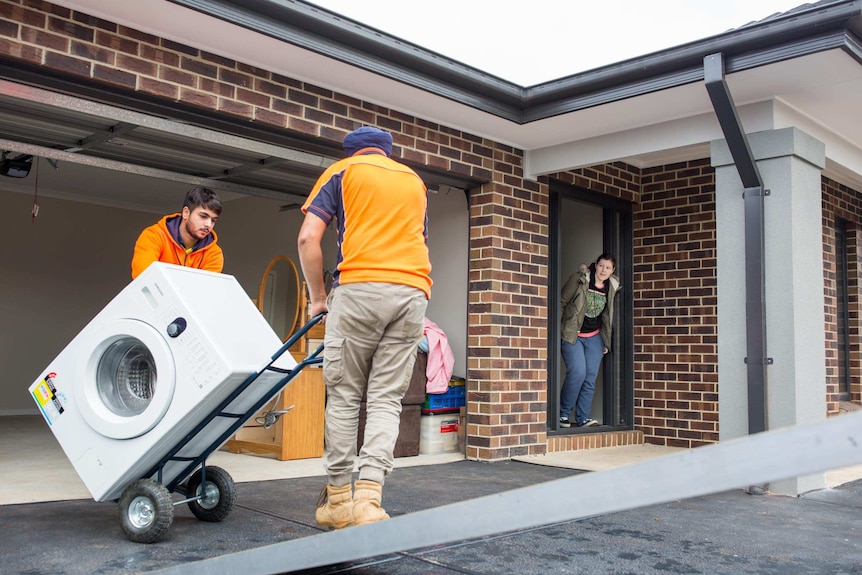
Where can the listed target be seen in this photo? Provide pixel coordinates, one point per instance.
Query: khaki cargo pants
(372, 333)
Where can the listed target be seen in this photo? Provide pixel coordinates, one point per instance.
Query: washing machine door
(125, 378)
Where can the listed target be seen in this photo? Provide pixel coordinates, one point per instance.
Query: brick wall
(507, 301)
(841, 202)
(617, 180)
(675, 307)
(507, 323)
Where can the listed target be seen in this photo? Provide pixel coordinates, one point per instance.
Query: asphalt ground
(731, 532)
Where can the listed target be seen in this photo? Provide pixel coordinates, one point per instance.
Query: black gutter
(583, 91)
(791, 35)
(344, 40)
(756, 359)
(808, 29)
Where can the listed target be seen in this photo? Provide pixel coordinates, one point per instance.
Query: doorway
(583, 225)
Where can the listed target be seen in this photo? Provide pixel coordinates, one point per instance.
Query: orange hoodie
(157, 243)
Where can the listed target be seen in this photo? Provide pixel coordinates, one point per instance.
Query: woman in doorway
(588, 312)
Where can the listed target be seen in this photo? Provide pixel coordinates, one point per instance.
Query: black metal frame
(239, 418)
(617, 238)
(554, 263)
(843, 309)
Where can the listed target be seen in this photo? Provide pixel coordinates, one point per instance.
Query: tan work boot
(366, 503)
(334, 507)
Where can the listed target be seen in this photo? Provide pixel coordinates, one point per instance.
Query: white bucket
(438, 433)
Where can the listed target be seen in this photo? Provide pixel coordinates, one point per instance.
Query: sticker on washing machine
(47, 398)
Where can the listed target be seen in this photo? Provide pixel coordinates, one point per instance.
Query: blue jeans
(582, 366)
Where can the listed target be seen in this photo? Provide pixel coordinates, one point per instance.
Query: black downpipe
(755, 271)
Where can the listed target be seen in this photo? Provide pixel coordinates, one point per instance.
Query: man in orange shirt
(186, 238)
(376, 313)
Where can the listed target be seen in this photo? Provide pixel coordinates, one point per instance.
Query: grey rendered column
(790, 163)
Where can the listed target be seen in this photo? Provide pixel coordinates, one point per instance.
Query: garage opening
(80, 179)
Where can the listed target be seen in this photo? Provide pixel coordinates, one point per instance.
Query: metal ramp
(751, 460)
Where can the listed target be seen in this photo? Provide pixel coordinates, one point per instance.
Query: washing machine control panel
(204, 370)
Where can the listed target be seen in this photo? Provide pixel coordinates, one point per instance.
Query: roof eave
(790, 35)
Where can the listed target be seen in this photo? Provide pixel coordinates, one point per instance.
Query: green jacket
(572, 300)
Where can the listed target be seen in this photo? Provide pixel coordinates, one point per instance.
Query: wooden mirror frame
(262, 290)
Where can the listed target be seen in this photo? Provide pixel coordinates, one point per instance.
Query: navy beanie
(367, 137)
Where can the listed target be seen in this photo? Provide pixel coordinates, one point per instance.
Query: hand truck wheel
(146, 510)
(217, 497)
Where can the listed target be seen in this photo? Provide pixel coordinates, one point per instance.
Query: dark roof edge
(337, 37)
(803, 30)
(800, 32)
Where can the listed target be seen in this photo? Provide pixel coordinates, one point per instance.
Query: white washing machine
(149, 368)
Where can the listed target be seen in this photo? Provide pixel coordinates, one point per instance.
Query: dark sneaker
(589, 423)
(564, 422)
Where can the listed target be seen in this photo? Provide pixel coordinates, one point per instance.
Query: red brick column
(507, 325)
(676, 313)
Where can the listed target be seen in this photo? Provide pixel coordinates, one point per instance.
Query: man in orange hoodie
(184, 239)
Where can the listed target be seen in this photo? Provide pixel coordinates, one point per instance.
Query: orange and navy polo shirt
(381, 209)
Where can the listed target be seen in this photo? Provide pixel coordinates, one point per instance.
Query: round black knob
(176, 327)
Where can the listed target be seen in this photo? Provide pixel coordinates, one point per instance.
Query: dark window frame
(618, 232)
(843, 334)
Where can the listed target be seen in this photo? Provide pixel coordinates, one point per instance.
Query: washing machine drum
(126, 378)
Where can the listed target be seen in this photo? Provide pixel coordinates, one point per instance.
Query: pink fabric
(441, 360)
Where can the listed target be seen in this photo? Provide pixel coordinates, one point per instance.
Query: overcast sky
(533, 41)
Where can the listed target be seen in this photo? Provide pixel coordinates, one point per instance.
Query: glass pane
(843, 311)
(126, 377)
(581, 242)
(279, 296)
(582, 230)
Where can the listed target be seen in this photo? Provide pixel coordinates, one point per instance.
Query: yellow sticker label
(45, 395)
(42, 394)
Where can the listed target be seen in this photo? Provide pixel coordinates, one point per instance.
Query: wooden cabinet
(298, 434)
